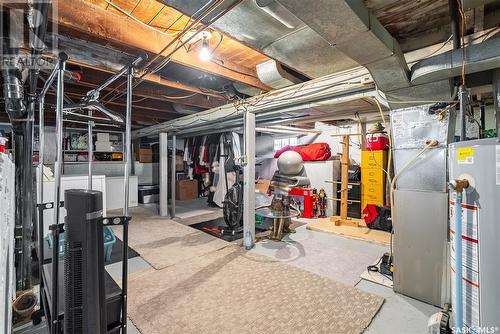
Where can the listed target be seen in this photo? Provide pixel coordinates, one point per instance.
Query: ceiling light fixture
(205, 53)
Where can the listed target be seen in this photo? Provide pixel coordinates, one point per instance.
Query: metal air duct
(352, 29)
(478, 57)
(274, 75)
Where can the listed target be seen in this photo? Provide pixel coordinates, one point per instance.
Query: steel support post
(164, 174)
(57, 191)
(249, 182)
(126, 176)
(172, 180)
(90, 153)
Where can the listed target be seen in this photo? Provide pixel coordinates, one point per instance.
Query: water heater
(478, 162)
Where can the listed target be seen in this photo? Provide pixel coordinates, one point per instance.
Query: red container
(2, 144)
(305, 200)
(377, 142)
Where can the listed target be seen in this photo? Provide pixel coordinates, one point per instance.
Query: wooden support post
(344, 189)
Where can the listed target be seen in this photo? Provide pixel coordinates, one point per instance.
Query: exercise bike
(233, 204)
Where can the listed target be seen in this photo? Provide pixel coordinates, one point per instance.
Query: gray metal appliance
(420, 198)
(478, 161)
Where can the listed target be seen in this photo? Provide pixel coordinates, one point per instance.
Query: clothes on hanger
(208, 158)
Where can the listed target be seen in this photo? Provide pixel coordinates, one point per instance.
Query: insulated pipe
(462, 95)
(458, 186)
(57, 190)
(458, 304)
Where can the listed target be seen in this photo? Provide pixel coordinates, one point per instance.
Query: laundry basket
(109, 240)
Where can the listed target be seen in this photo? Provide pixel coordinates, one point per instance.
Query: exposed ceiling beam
(119, 106)
(157, 92)
(107, 59)
(84, 17)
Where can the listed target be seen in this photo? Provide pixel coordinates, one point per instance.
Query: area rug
(192, 220)
(163, 242)
(230, 291)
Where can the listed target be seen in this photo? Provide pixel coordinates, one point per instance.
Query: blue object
(458, 305)
(109, 240)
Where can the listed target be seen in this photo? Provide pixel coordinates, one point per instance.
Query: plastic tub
(109, 240)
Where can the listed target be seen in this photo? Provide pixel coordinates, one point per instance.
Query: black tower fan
(84, 308)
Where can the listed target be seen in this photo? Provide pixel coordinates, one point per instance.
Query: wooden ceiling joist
(110, 60)
(108, 27)
(91, 79)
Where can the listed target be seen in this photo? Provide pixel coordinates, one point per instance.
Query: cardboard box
(144, 154)
(102, 136)
(186, 190)
(262, 185)
(179, 163)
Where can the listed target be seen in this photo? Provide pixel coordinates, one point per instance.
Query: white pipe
(271, 130)
(294, 129)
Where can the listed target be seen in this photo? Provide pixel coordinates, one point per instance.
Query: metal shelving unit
(51, 275)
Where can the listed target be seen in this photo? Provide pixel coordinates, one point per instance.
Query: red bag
(314, 152)
(282, 150)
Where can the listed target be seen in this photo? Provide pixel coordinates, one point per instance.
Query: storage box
(70, 157)
(179, 163)
(144, 154)
(304, 199)
(377, 141)
(109, 240)
(186, 190)
(103, 146)
(262, 185)
(102, 136)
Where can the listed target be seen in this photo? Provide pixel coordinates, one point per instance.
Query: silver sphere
(290, 163)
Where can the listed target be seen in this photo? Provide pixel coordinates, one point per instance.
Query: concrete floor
(332, 256)
(340, 259)
(343, 259)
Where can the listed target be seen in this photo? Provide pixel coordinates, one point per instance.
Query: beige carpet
(163, 242)
(230, 291)
(200, 218)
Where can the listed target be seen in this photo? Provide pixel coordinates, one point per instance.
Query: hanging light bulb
(205, 53)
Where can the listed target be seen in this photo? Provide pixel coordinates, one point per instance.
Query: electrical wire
(375, 267)
(178, 37)
(212, 6)
(239, 104)
(178, 97)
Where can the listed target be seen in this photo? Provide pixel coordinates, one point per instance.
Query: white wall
(332, 135)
